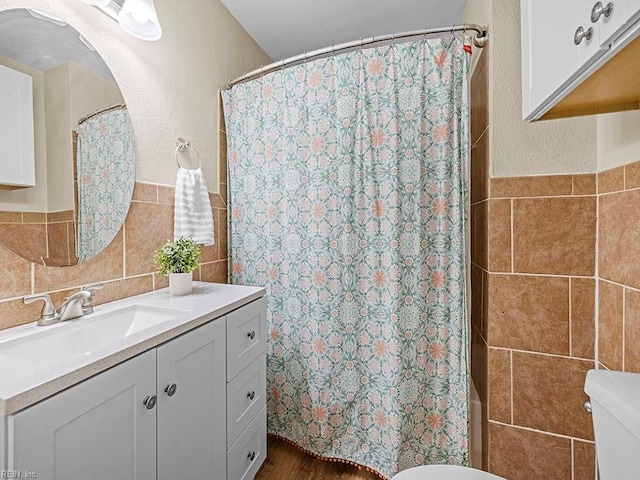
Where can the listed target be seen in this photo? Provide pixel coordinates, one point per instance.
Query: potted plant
(178, 260)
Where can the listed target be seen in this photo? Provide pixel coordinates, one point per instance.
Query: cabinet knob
(599, 10)
(581, 34)
(150, 402)
(251, 335)
(170, 389)
(251, 395)
(251, 456)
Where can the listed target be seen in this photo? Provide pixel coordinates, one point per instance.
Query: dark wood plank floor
(286, 462)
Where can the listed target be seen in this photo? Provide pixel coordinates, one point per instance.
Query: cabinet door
(99, 429)
(17, 161)
(623, 11)
(191, 418)
(549, 54)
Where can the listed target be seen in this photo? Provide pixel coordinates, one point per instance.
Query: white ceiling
(43, 45)
(288, 27)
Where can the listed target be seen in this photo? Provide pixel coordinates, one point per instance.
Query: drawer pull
(599, 10)
(251, 456)
(251, 395)
(582, 34)
(171, 389)
(150, 402)
(251, 334)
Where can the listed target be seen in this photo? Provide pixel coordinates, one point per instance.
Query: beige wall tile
(34, 217)
(62, 216)
(632, 331)
(610, 325)
(500, 235)
(529, 313)
(476, 297)
(29, 240)
(15, 275)
(145, 192)
(542, 186)
(223, 193)
(480, 97)
(222, 157)
(166, 194)
(160, 281)
(479, 234)
(222, 234)
(611, 180)
(215, 272)
(583, 317)
(106, 266)
(479, 352)
(10, 217)
(584, 460)
(554, 235)
(14, 313)
(619, 238)
(499, 385)
(519, 454)
(548, 393)
(127, 287)
(148, 226)
(58, 243)
(584, 184)
(480, 169)
(632, 175)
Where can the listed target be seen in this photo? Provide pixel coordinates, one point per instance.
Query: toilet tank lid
(618, 393)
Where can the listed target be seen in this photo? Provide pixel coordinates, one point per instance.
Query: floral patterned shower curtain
(106, 173)
(348, 188)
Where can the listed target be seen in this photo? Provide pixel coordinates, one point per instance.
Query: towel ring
(183, 145)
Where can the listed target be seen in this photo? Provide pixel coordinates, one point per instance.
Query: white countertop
(208, 300)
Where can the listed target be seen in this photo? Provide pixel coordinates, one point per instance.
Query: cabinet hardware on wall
(591, 70)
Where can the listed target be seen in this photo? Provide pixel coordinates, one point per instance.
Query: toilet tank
(615, 406)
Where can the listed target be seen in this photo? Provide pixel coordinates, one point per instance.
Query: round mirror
(67, 165)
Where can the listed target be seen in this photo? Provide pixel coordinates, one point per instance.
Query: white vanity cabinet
(163, 414)
(563, 44)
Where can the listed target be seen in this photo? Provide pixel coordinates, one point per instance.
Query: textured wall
(170, 86)
(618, 139)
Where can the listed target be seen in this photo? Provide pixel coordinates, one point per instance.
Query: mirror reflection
(68, 171)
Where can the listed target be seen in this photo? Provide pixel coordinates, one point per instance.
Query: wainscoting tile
(166, 194)
(222, 234)
(583, 317)
(529, 313)
(104, 267)
(62, 216)
(632, 175)
(15, 312)
(30, 239)
(500, 385)
(542, 186)
(479, 352)
(519, 454)
(500, 235)
(555, 235)
(476, 297)
(585, 184)
(15, 275)
(610, 325)
(480, 97)
(480, 169)
(619, 240)
(11, 217)
(479, 234)
(632, 332)
(548, 393)
(58, 243)
(611, 180)
(584, 460)
(148, 226)
(127, 287)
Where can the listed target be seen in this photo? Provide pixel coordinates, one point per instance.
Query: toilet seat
(444, 472)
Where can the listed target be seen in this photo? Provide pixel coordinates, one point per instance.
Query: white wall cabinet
(161, 415)
(17, 156)
(564, 43)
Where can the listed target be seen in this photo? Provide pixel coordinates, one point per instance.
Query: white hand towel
(193, 216)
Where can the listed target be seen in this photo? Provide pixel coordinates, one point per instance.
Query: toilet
(615, 406)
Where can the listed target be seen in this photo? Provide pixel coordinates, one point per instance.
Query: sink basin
(82, 336)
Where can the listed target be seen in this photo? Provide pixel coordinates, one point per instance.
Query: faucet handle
(95, 286)
(48, 310)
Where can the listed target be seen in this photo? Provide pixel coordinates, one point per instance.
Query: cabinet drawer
(247, 455)
(246, 336)
(246, 395)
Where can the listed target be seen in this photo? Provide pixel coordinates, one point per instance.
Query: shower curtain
(347, 196)
(106, 173)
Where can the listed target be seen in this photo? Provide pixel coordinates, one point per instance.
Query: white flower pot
(180, 284)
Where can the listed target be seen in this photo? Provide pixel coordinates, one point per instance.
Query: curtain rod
(102, 110)
(479, 41)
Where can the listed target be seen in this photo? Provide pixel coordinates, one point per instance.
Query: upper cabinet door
(17, 158)
(99, 429)
(609, 16)
(191, 405)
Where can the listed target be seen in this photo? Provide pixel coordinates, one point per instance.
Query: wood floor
(286, 462)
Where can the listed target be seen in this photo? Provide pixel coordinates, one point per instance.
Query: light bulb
(98, 3)
(139, 18)
(140, 13)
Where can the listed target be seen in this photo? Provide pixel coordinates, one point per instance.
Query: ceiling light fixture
(139, 18)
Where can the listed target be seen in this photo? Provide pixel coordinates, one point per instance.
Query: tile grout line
(543, 432)
(570, 322)
(550, 275)
(545, 354)
(573, 457)
(511, 382)
(512, 243)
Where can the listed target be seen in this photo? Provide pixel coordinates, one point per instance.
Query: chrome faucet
(77, 305)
